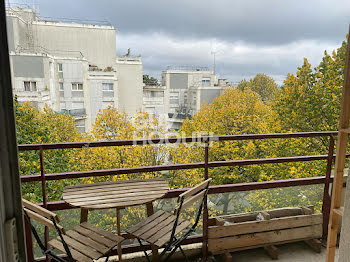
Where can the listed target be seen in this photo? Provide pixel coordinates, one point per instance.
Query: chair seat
(157, 228)
(87, 242)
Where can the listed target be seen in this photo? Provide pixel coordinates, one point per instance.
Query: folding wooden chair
(163, 229)
(84, 243)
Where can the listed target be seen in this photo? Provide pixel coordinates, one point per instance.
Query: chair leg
(171, 253)
(144, 250)
(107, 259)
(183, 253)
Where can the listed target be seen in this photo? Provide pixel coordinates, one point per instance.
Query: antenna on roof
(213, 52)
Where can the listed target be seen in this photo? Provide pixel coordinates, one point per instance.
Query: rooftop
(188, 68)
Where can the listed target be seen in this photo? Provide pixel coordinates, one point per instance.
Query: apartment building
(129, 72)
(154, 100)
(188, 87)
(71, 67)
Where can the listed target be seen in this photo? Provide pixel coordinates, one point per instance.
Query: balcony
(288, 252)
(74, 112)
(181, 116)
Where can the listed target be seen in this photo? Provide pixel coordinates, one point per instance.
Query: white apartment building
(130, 82)
(71, 67)
(187, 88)
(154, 101)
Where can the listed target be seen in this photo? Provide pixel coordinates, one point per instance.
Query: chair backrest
(41, 215)
(192, 195)
(185, 200)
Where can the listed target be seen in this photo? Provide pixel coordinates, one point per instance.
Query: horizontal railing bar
(171, 140)
(266, 161)
(143, 169)
(218, 189)
(110, 172)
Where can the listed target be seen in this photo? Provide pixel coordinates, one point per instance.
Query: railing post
(29, 240)
(326, 196)
(43, 190)
(205, 207)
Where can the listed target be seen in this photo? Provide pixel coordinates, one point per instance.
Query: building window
(107, 90)
(205, 82)
(174, 101)
(30, 86)
(77, 87)
(151, 94)
(60, 71)
(157, 94)
(61, 89)
(107, 86)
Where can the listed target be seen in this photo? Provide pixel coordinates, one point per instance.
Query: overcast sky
(248, 36)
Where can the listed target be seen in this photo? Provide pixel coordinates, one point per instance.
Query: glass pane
(33, 86)
(267, 199)
(26, 86)
(107, 87)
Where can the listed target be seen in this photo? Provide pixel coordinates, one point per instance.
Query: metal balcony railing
(74, 112)
(325, 180)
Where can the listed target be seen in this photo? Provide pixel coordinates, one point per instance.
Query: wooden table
(119, 194)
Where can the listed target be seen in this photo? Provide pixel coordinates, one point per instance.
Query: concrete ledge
(192, 251)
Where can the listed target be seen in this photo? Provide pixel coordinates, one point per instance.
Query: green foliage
(262, 84)
(150, 80)
(311, 99)
(46, 126)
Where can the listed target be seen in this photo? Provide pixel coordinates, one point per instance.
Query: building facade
(187, 89)
(154, 101)
(71, 67)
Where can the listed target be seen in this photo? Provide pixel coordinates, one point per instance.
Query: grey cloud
(234, 60)
(264, 22)
(250, 36)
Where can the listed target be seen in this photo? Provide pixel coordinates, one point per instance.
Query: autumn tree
(311, 98)
(262, 84)
(111, 124)
(243, 112)
(43, 126)
(233, 112)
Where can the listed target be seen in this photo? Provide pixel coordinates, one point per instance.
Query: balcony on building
(218, 194)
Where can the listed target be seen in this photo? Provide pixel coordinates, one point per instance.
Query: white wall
(96, 43)
(130, 85)
(98, 100)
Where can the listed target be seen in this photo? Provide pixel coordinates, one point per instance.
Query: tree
(243, 112)
(46, 126)
(262, 84)
(150, 80)
(233, 112)
(111, 124)
(311, 99)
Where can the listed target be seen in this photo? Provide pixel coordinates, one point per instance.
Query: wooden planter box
(264, 229)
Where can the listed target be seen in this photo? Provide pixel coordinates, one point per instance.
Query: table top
(118, 194)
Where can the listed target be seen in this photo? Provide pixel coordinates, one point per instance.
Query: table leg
(150, 212)
(84, 215)
(119, 233)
